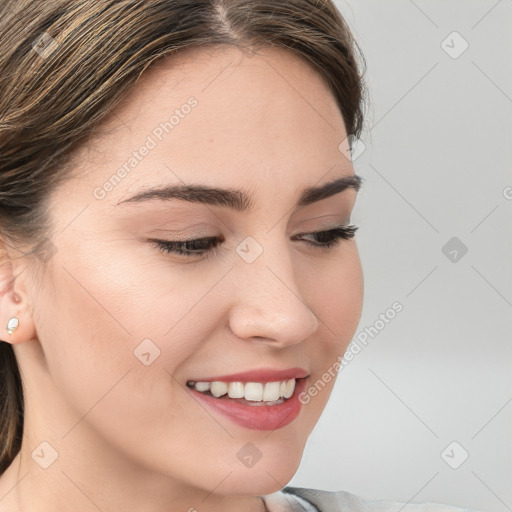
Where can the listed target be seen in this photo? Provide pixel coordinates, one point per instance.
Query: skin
(129, 436)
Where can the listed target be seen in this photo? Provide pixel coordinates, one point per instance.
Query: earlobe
(12, 324)
(16, 323)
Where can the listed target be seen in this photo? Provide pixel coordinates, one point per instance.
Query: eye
(330, 238)
(199, 246)
(194, 247)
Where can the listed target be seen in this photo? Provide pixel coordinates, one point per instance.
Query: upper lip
(258, 375)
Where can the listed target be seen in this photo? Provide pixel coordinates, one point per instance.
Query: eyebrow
(238, 199)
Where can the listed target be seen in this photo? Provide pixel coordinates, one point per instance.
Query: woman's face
(123, 326)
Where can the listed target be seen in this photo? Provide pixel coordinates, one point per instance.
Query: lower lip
(256, 417)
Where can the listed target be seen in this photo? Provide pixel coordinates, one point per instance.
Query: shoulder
(330, 501)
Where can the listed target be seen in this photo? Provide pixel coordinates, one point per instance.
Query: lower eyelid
(167, 245)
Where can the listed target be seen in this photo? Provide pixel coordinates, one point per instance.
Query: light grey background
(437, 165)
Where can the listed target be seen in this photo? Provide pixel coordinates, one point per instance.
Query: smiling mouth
(248, 393)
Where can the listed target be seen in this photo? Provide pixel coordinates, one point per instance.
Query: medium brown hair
(66, 64)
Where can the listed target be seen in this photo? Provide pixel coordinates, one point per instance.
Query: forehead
(216, 115)
(225, 75)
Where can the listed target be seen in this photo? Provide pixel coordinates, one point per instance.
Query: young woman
(178, 265)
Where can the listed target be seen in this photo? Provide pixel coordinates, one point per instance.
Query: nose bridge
(268, 302)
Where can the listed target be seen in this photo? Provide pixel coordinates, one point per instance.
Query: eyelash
(189, 247)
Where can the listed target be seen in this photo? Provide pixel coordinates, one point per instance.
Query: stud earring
(12, 325)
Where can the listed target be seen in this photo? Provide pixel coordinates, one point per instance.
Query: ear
(14, 299)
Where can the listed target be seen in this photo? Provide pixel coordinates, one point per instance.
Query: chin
(264, 477)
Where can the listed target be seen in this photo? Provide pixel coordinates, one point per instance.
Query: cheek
(101, 386)
(336, 291)
(112, 339)
(336, 296)
(348, 295)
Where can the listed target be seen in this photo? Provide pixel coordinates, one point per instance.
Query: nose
(267, 303)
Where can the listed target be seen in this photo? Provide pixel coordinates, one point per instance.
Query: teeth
(236, 390)
(202, 386)
(254, 391)
(251, 391)
(289, 388)
(271, 391)
(218, 388)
